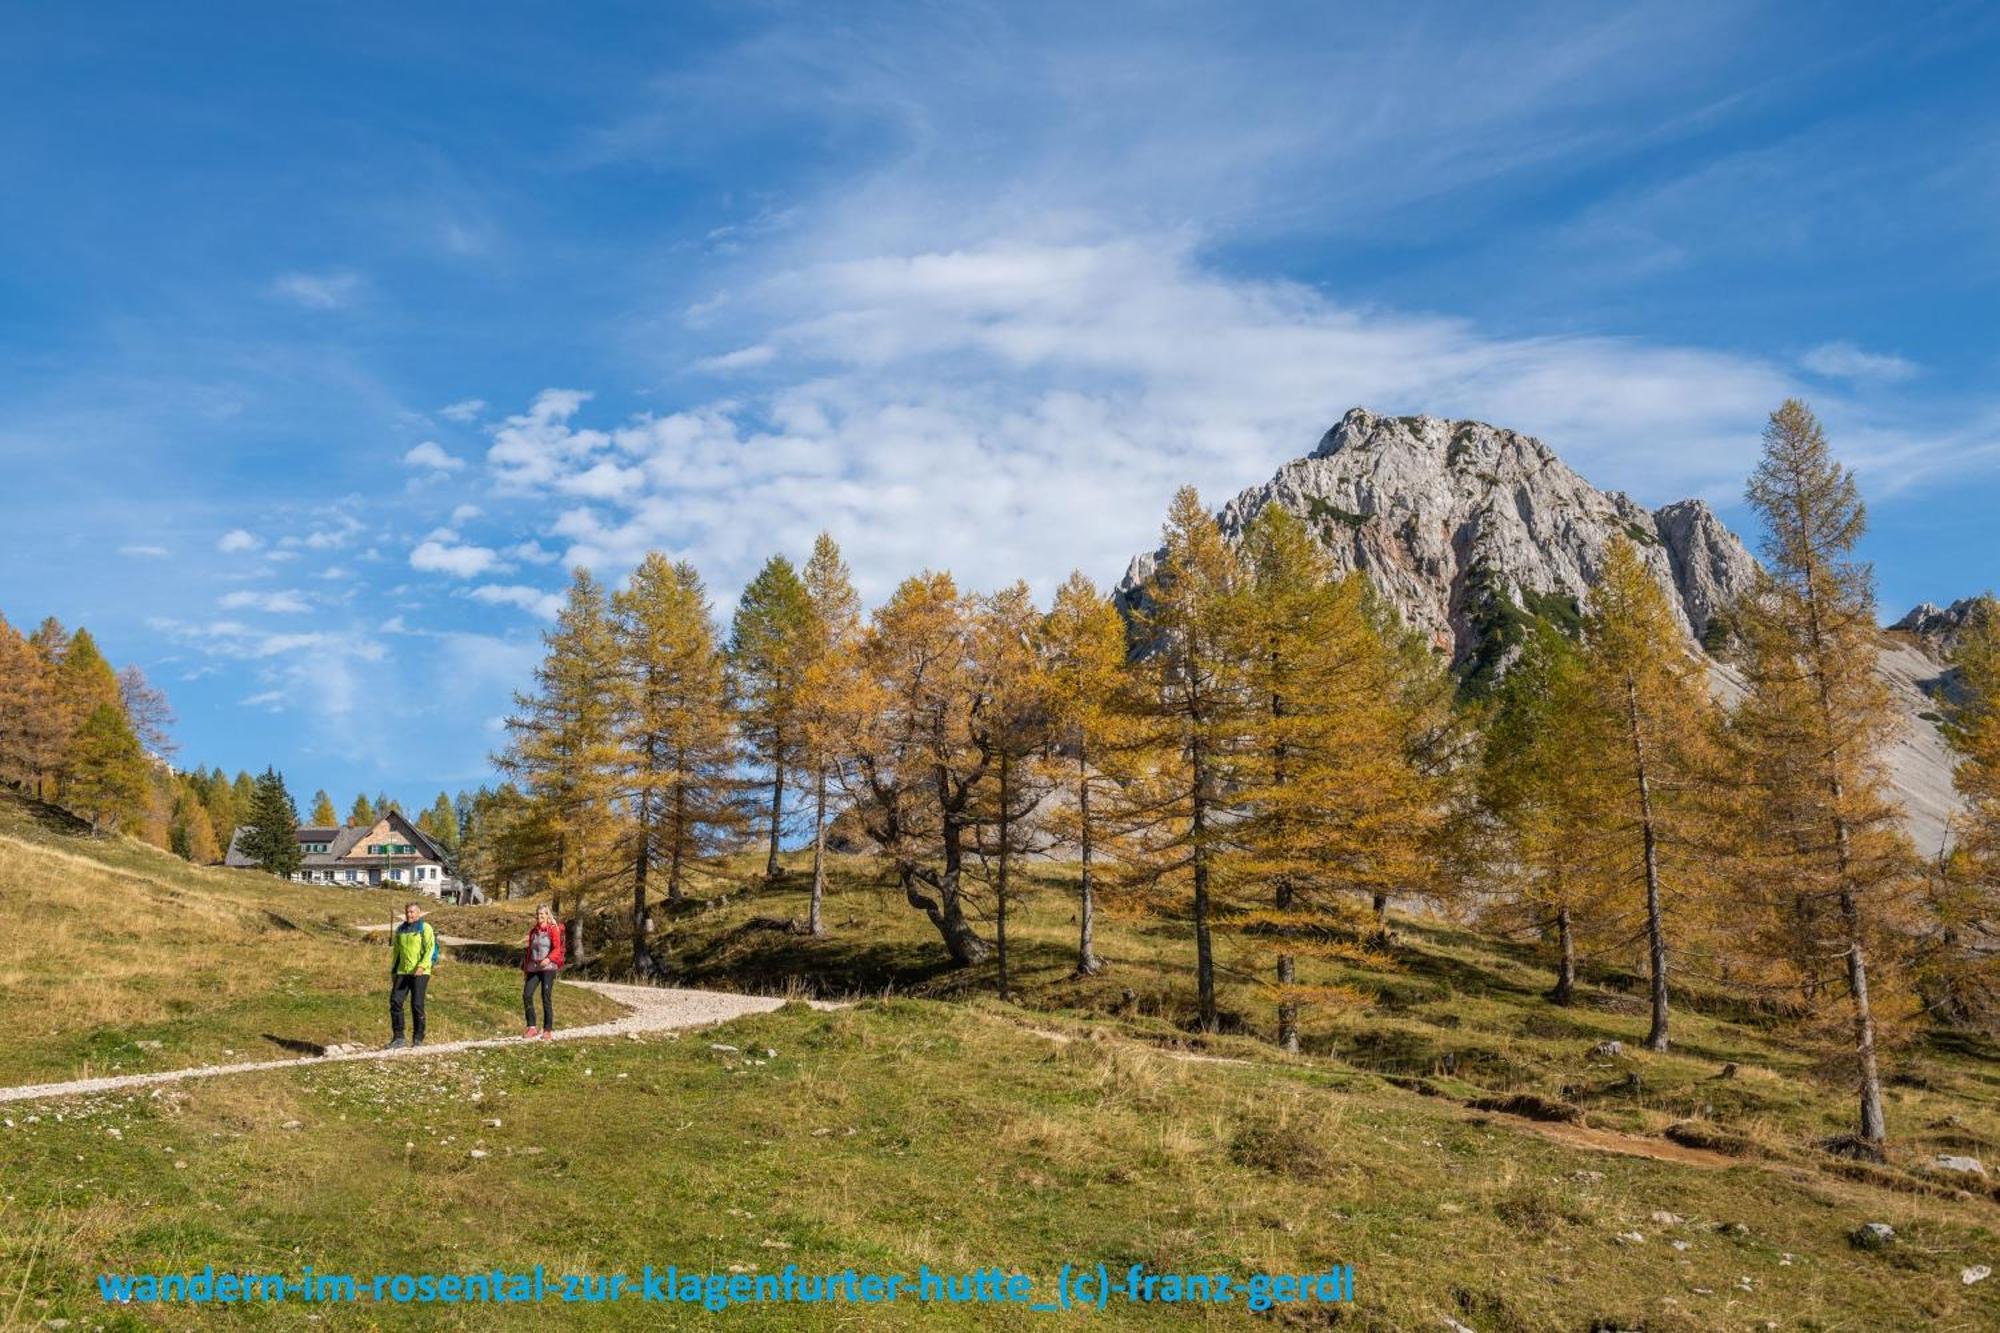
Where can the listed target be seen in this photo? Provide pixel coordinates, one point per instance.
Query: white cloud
(440, 557)
(1845, 361)
(743, 358)
(538, 448)
(465, 513)
(145, 552)
(1020, 409)
(430, 454)
(237, 539)
(327, 671)
(467, 409)
(319, 291)
(532, 553)
(285, 602)
(543, 604)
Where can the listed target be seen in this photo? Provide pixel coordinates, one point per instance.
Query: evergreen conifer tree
(270, 832)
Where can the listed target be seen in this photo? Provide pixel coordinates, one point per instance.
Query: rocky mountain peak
(1474, 532)
(1938, 627)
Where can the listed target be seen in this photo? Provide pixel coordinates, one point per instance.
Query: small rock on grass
(1873, 1236)
(1969, 1165)
(1976, 1273)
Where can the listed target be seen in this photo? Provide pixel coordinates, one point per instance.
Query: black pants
(413, 984)
(547, 981)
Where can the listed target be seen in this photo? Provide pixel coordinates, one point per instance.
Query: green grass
(1446, 1006)
(1083, 1123)
(909, 1132)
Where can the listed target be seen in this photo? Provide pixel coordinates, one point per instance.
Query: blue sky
(331, 335)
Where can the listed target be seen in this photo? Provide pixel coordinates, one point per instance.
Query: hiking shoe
(531, 1034)
(418, 1042)
(395, 1044)
(548, 1034)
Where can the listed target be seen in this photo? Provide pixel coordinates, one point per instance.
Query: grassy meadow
(931, 1124)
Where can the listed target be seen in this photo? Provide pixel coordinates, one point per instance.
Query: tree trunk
(777, 802)
(642, 958)
(1000, 885)
(1874, 1125)
(1088, 964)
(815, 925)
(674, 876)
(1204, 955)
(1288, 975)
(946, 911)
(1656, 938)
(1565, 991)
(1380, 906)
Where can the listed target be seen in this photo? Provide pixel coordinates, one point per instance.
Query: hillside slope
(137, 961)
(1084, 1126)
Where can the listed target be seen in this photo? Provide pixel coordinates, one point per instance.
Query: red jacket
(554, 961)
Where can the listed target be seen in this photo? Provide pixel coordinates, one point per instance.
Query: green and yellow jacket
(413, 949)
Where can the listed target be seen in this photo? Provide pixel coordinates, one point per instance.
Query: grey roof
(340, 846)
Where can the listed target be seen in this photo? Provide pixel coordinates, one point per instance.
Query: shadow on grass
(296, 1045)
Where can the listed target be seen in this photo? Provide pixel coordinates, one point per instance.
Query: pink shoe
(531, 1034)
(548, 1034)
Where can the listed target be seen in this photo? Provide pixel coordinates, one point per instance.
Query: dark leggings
(413, 986)
(547, 981)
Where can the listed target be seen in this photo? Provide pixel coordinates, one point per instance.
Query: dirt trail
(648, 1009)
(1611, 1140)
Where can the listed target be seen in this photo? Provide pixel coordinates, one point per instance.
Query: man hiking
(540, 962)
(413, 950)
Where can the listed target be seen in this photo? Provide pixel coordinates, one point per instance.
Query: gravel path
(648, 1009)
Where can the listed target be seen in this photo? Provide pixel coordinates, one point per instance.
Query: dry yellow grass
(133, 960)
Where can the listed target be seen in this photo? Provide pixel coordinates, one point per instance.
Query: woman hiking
(540, 962)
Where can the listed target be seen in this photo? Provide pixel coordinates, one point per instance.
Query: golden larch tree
(677, 752)
(1083, 649)
(1825, 862)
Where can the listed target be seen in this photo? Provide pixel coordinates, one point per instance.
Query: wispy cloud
(145, 552)
(465, 410)
(319, 291)
(285, 602)
(237, 540)
(1845, 361)
(534, 600)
